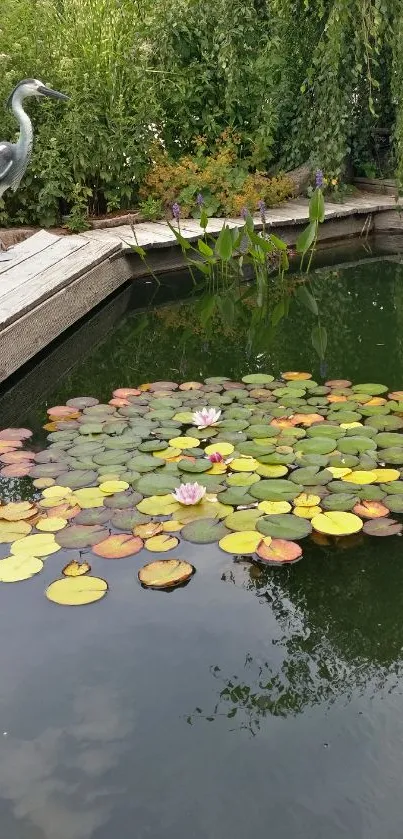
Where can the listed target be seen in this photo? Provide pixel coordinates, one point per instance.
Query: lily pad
(284, 526)
(275, 490)
(14, 569)
(166, 573)
(204, 531)
(77, 591)
(336, 523)
(157, 484)
(342, 501)
(241, 544)
(279, 552)
(118, 546)
(383, 527)
(79, 536)
(243, 519)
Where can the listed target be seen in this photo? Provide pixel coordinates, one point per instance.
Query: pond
(250, 700)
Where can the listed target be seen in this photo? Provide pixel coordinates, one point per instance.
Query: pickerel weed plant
(244, 272)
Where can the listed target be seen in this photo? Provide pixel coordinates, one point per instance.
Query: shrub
(221, 177)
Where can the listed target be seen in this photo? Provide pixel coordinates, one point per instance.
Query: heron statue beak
(54, 94)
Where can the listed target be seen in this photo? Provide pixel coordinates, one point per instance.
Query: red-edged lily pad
(383, 527)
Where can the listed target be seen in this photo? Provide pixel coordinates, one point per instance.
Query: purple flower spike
(319, 179)
(200, 200)
(262, 208)
(176, 211)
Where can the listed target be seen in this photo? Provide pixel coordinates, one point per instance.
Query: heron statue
(14, 157)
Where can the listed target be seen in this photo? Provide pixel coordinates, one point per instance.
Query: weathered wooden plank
(26, 336)
(16, 277)
(29, 247)
(48, 282)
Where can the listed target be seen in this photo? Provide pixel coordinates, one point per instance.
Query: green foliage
(96, 146)
(218, 174)
(151, 209)
(284, 81)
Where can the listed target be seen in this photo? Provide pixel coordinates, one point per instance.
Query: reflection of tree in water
(339, 614)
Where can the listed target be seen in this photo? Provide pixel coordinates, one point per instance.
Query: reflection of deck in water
(50, 281)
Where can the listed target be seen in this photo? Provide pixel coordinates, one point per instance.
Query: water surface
(247, 702)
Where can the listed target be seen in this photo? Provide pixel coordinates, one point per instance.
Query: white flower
(206, 417)
(189, 493)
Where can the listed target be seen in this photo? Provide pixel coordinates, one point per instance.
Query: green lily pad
(344, 461)
(255, 450)
(157, 484)
(370, 492)
(356, 445)
(285, 526)
(393, 488)
(236, 496)
(144, 463)
(389, 439)
(128, 519)
(243, 519)
(372, 389)
(111, 456)
(276, 459)
(80, 536)
(393, 455)
(312, 460)
(342, 501)
(242, 479)
(343, 416)
(123, 500)
(275, 490)
(257, 379)
(96, 515)
(153, 445)
(394, 503)
(315, 445)
(204, 531)
(194, 468)
(324, 429)
(385, 423)
(311, 475)
(77, 479)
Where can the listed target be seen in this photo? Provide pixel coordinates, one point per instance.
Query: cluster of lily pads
(255, 465)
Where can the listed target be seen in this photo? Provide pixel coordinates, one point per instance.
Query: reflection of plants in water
(220, 266)
(336, 638)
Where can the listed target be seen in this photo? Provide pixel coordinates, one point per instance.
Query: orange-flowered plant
(219, 175)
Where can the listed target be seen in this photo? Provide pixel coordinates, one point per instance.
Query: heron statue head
(33, 87)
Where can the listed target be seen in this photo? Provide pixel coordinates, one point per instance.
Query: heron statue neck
(25, 140)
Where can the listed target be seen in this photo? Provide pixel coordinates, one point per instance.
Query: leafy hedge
(293, 78)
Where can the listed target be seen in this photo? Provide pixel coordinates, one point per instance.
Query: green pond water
(250, 702)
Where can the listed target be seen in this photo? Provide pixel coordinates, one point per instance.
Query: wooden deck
(49, 282)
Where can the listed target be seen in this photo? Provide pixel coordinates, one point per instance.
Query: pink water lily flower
(189, 493)
(206, 417)
(216, 457)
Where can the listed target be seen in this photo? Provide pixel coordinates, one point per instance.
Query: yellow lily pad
(88, 497)
(242, 479)
(13, 569)
(56, 492)
(338, 471)
(43, 483)
(337, 524)
(110, 487)
(184, 443)
(161, 543)
(76, 569)
(51, 524)
(40, 544)
(351, 425)
(244, 464)
(10, 531)
(274, 471)
(274, 508)
(384, 476)
(17, 511)
(241, 543)
(76, 591)
(307, 512)
(159, 505)
(168, 454)
(306, 500)
(204, 510)
(224, 449)
(171, 526)
(360, 477)
(217, 469)
(185, 417)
